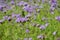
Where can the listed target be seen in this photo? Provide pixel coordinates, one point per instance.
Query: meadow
(18, 22)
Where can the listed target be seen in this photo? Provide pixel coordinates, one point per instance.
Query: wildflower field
(29, 19)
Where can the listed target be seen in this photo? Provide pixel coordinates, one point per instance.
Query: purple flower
(27, 30)
(20, 3)
(43, 1)
(5, 17)
(53, 1)
(52, 8)
(30, 0)
(57, 18)
(17, 15)
(2, 20)
(12, 2)
(28, 8)
(46, 24)
(40, 36)
(54, 33)
(18, 20)
(21, 19)
(30, 38)
(1, 8)
(9, 19)
(38, 0)
(25, 38)
(44, 18)
(42, 27)
(13, 15)
(53, 5)
(25, 4)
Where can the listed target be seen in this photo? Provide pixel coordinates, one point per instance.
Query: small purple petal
(27, 31)
(20, 3)
(25, 38)
(54, 33)
(40, 36)
(46, 24)
(30, 38)
(17, 15)
(42, 27)
(5, 17)
(12, 2)
(1, 8)
(2, 20)
(57, 18)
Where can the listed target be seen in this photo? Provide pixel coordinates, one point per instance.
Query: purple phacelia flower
(40, 36)
(30, 38)
(28, 8)
(18, 20)
(43, 18)
(9, 19)
(57, 18)
(21, 19)
(42, 27)
(53, 5)
(12, 2)
(21, 3)
(1, 8)
(25, 4)
(54, 33)
(13, 15)
(5, 17)
(46, 24)
(17, 15)
(43, 1)
(25, 38)
(27, 30)
(2, 20)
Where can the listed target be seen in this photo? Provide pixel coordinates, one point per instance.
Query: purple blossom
(53, 1)
(2, 20)
(54, 33)
(46, 24)
(43, 1)
(57, 18)
(30, 0)
(12, 2)
(1, 8)
(9, 19)
(13, 15)
(25, 38)
(20, 3)
(52, 8)
(25, 4)
(43, 18)
(42, 27)
(27, 30)
(18, 20)
(38, 0)
(17, 15)
(53, 5)
(40, 36)
(28, 8)
(5, 17)
(21, 19)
